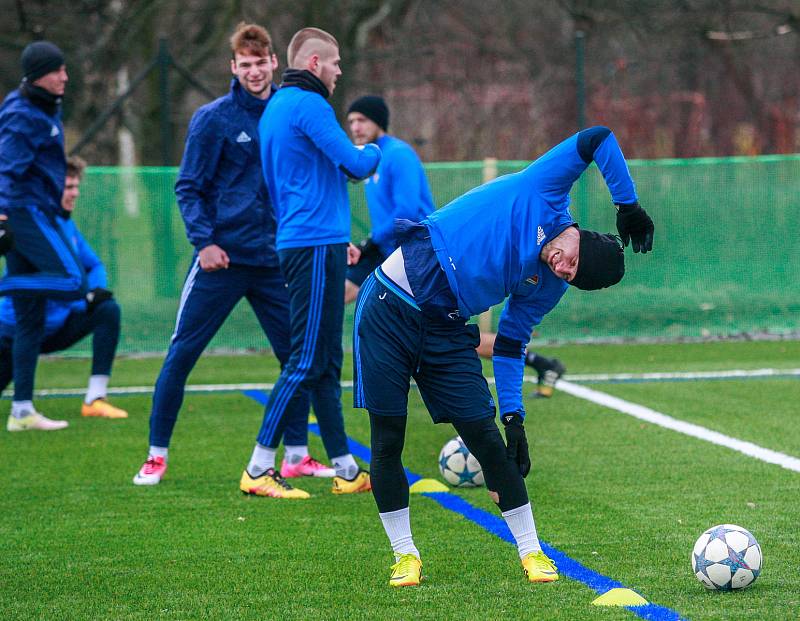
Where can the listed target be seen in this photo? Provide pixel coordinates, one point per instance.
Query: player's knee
(109, 312)
(387, 435)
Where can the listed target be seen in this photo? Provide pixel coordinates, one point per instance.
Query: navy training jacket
(32, 161)
(220, 188)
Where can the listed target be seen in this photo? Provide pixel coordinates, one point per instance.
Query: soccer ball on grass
(458, 466)
(726, 557)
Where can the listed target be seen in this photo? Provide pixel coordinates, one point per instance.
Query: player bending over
(399, 189)
(411, 319)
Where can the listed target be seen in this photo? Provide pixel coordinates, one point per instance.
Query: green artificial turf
(625, 498)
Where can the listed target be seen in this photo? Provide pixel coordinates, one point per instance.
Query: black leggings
(483, 439)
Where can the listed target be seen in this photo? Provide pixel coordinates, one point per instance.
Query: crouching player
(512, 238)
(67, 322)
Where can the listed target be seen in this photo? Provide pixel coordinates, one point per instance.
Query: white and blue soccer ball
(726, 557)
(458, 466)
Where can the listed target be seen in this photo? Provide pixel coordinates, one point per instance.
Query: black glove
(6, 237)
(97, 296)
(635, 225)
(368, 248)
(516, 442)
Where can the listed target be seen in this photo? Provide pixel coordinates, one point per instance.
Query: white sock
(98, 388)
(20, 409)
(159, 451)
(262, 460)
(397, 525)
(520, 523)
(346, 467)
(294, 453)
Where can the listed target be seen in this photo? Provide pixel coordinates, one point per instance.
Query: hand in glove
(97, 296)
(516, 442)
(635, 225)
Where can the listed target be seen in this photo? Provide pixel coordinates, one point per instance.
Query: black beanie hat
(601, 261)
(374, 108)
(40, 58)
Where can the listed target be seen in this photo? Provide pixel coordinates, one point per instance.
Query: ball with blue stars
(726, 557)
(458, 466)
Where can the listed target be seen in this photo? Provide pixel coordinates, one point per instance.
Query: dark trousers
(206, 302)
(103, 323)
(315, 277)
(42, 264)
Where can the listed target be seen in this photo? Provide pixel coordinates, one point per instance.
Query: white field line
(688, 375)
(689, 429)
(586, 377)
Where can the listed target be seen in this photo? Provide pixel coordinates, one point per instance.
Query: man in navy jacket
(307, 160)
(230, 222)
(42, 263)
(67, 322)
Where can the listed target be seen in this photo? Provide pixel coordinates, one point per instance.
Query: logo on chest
(243, 137)
(54, 131)
(540, 236)
(533, 280)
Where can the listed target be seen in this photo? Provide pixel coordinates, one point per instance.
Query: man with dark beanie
(397, 189)
(42, 263)
(511, 239)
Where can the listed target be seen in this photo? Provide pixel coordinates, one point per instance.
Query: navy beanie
(374, 108)
(40, 58)
(601, 261)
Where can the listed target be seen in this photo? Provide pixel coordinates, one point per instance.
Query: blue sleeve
(18, 149)
(318, 122)
(599, 144)
(407, 175)
(555, 172)
(198, 168)
(521, 314)
(95, 270)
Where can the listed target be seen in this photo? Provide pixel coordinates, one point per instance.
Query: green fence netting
(726, 256)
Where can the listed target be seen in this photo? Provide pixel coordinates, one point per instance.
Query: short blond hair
(251, 38)
(301, 37)
(75, 166)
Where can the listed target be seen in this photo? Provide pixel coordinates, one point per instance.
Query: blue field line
(496, 526)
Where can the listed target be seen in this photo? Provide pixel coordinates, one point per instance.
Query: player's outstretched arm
(599, 144)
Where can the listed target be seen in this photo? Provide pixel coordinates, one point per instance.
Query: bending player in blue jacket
(229, 221)
(512, 239)
(307, 159)
(42, 263)
(399, 189)
(67, 322)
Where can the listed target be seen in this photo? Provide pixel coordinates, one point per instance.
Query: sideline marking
(689, 429)
(589, 378)
(497, 526)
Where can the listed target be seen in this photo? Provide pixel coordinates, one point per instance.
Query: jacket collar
(39, 97)
(248, 101)
(305, 80)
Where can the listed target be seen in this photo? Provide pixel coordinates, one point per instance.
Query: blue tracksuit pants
(42, 264)
(315, 277)
(102, 323)
(206, 301)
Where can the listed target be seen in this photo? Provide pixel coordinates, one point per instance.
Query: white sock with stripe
(262, 460)
(21, 409)
(397, 525)
(346, 467)
(520, 523)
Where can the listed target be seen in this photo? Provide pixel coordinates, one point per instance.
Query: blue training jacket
(220, 189)
(57, 311)
(32, 161)
(488, 243)
(307, 159)
(398, 189)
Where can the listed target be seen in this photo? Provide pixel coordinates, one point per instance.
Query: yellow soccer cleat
(35, 422)
(407, 571)
(361, 483)
(539, 568)
(270, 484)
(102, 409)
